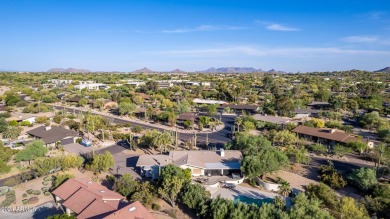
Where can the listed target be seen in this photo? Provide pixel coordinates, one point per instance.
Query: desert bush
(30, 191)
(25, 201)
(156, 207)
(47, 193)
(33, 200)
(24, 195)
(36, 192)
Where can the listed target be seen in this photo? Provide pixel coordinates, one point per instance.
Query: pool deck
(242, 191)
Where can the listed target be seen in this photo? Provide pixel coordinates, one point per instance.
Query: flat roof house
(201, 163)
(53, 134)
(87, 199)
(328, 136)
(239, 108)
(305, 113)
(272, 119)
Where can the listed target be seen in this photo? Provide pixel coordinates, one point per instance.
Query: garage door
(67, 141)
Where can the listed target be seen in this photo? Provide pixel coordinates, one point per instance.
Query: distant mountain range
(238, 70)
(69, 70)
(387, 70)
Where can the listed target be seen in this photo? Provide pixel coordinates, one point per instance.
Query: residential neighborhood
(196, 109)
(131, 151)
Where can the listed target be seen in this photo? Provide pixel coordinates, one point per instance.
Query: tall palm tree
(11, 133)
(238, 122)
(285, 188)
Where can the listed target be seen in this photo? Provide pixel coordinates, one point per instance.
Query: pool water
(249, 201)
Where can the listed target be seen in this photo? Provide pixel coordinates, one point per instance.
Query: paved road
(40, 212)
(218, 138)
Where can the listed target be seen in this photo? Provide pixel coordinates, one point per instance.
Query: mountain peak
(144, 70)
(69, 70)
(177, 71)
(386, 70)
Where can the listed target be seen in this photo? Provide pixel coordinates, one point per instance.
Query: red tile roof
(88, 199)
(134, 210)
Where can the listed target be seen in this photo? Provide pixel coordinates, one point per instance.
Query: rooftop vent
(89, 182)
(102, 191)
(132, 209)
(332, 130)
(47, 128)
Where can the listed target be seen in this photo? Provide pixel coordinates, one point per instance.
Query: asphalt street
(218, 138)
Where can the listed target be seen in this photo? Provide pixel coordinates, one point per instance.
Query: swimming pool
(249, 201)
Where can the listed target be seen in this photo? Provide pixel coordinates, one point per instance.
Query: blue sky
(116, 35)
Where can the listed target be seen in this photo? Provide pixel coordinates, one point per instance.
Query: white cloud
(204, 28)
(279, 52)
(276, 27)
(279, 27)
(360, 39)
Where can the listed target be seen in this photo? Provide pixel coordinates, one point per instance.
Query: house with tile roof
(86, 199)
(328, 136)
(201, 163)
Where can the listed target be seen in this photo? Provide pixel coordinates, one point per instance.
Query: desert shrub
(10, 198)
(13, 123)
(25, 123)
(48, 178)
(156, 207)
(4, 190)
(45, 183)
(25, 201)
(30, 191)
(24, 195)
(36, 192)
(47, 193)
(136, 129)
(44, 189)
(33, 200)
(78, 140)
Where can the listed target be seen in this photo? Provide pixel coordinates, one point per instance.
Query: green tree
(83, 102)
(32, 151)
(61, 216)
(324, 193)
(102, 162)
(285, 138)
(298, 155)
(363, 178)
(238, 123)
(211, 109)
(194, 196)
(328, 175)
(61, 178)
(99, 103)
(125, 185)
(126, 108)
(304, 208)
(349, 209)
(284, 188)
(169, 189)
(248, 126)
(267, 160)
(144, 193)
(359, 146)
(11, 133)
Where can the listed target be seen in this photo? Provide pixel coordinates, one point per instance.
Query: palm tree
(11, 132)
(238, 122)
(285, 188)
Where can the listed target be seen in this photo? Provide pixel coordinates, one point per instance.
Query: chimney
(47, 128)
(222, 152)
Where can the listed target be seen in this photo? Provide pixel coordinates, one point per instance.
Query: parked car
(86, 143)
(229, 186)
